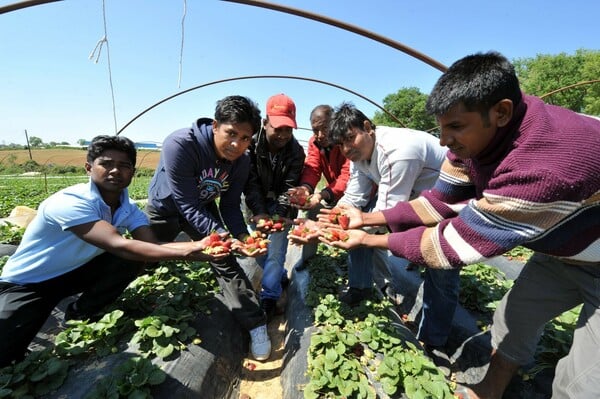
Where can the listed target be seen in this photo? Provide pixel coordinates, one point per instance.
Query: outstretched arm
(143, 247)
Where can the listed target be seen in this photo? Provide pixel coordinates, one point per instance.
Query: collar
(502, 141)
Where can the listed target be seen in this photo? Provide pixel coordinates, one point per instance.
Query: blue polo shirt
(48, 249)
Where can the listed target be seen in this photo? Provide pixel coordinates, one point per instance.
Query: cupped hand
(355, 219)
(354, 239)
(304, 231)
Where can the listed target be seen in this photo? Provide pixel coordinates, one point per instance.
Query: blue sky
(49, 86)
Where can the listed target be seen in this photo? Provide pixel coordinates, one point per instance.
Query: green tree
(548, 73)
(408, 105)
(35, 142)
(81, 141)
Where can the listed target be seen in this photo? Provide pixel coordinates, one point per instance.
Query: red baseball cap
(281, 111)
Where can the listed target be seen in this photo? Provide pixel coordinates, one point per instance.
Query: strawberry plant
(3, 260)
(38, 374)
(358, 353)
(156, 337)
(82, 337)
(11, 233)
(520, 254)
(482, 286)
(130, 379)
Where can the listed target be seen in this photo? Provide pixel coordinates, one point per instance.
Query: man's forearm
(375, 241)
(373, 219)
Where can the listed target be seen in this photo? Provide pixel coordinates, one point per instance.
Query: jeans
(273, 265)
(273, 262)
(440, 298)
(440, 290)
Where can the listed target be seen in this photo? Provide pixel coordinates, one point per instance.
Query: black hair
(103, 143)
(325, 109)
(345, 117)
(478, 81)
(238, 109)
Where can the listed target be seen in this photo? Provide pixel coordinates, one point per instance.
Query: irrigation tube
(352, 28)
(257, 77)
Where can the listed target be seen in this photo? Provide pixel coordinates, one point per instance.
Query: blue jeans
(273, 262)
(440, 290)
(440, 298)
(273, 265)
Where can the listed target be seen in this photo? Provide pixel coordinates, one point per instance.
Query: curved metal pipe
(23, 4)
(258, 77)
(352, 28)
(587, 82)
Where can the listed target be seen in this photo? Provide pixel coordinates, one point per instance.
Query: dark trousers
(238, 293)
(25, 308)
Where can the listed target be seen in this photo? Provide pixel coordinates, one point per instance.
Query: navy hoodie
(189, 179)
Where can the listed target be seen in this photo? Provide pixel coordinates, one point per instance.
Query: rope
(182, 37)
(96, 56)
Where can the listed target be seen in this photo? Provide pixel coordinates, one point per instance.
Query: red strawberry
(334, 214)
(277, 226)
(214, 237)
(344, 221)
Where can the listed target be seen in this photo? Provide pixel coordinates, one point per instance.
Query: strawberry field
(353, 353)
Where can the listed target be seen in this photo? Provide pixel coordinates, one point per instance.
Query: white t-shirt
(404, 163)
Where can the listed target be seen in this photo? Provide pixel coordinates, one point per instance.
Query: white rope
(98, 48)
(182, 37)
(95, 55)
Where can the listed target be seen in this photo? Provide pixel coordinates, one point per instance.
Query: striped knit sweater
(536, 185)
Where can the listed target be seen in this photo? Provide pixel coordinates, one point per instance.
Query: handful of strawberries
(273, 223)
(301, 230)
(335, 235)
(299, 198)
(337, 216)
(217, 244)
(255, 241)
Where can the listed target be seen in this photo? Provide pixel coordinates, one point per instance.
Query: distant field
(71, 156)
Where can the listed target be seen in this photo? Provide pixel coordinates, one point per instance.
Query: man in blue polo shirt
(75, 244)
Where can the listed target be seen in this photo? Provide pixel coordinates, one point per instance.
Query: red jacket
(333, 166)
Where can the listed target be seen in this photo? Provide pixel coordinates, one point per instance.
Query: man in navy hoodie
(199, 165)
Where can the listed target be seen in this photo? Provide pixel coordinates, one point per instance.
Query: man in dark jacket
(276, 164)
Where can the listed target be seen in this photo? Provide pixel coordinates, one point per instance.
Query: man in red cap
(276, 164)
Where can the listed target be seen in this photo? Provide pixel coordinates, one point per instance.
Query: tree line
(570, 81)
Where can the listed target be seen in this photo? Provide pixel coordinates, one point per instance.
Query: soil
(261, 380)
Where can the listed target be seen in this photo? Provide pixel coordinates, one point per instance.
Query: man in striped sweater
(518, 172)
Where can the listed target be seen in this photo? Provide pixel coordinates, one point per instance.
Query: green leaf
(163, 351)
(153, 332)
(156, 377)
(38, 375)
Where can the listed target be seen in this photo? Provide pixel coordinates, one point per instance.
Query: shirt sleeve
(312, 170)
(181, 164)
(359, 188)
